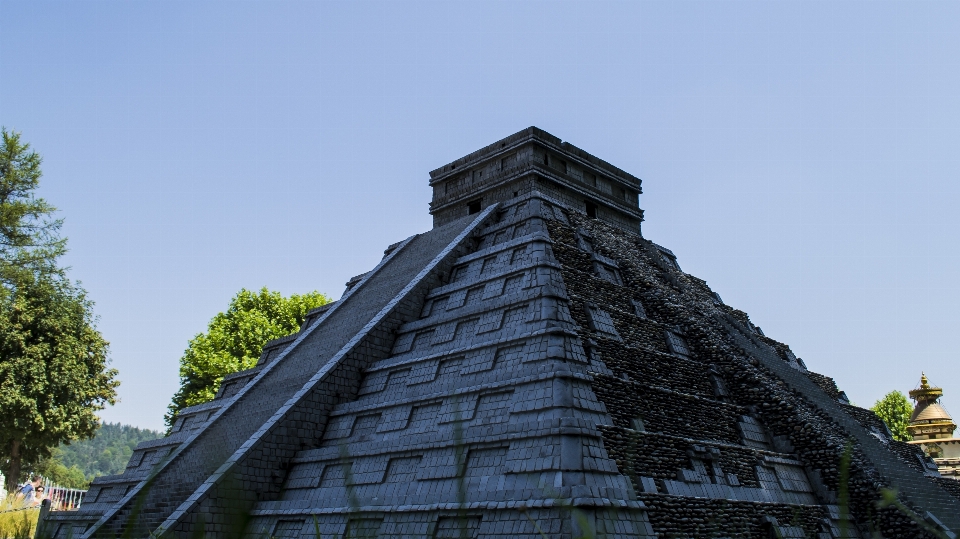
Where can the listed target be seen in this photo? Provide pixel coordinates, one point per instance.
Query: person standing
(39, 494)
(26, 492)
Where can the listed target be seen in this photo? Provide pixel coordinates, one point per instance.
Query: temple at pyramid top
(530, 161)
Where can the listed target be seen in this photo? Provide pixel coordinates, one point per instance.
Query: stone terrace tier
(484, 401)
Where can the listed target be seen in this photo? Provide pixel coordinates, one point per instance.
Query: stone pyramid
(531, 367)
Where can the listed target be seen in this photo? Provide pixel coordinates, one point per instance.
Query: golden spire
(930, 420)
(925, 393)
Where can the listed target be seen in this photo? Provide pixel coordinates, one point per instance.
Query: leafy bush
(17, 524)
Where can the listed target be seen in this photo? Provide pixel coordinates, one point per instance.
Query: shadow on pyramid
(532, 367)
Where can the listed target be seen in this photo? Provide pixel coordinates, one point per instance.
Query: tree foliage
(106, 453)
(29, 235)
(55, 472)
(234, 340)
(53, 370)
(53, 361)
(894, 409)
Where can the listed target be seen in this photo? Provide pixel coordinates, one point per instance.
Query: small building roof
(932, 411)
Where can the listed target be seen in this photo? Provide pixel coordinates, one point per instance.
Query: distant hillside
(108, 452)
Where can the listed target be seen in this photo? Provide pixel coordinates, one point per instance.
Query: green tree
(77, 462)
(56, 472)
(29, 235)
(53, 361)
(234, 340)
(53, 370)
(894, 409)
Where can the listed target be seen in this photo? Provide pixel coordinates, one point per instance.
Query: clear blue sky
(802, 157)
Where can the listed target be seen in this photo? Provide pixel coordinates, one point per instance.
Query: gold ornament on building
(932, 428)
(930, 420)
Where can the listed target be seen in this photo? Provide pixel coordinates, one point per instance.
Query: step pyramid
(531, 367)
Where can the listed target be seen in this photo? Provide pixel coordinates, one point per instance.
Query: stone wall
(795, 427)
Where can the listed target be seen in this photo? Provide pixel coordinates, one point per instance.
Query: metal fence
(65, 499)
(61, 499)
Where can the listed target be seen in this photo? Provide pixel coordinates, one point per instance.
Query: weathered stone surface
(531, 367)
